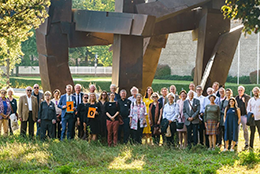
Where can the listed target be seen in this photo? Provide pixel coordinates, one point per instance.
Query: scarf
(156, 115)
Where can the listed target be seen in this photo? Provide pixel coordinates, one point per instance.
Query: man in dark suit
(191, 111)
(40, 98)
(163, 100)
(78, 95)
(68, 112)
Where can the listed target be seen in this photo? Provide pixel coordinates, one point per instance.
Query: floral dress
(138, 112)
(147, 129)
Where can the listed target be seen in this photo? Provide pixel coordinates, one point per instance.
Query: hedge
(104, 85)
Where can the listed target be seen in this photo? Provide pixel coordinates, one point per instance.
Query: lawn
(19, 155)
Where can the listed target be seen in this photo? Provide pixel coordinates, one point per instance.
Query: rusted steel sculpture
(138, 30)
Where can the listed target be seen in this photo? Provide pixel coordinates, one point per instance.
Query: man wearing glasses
(40, 98)
(28, 112)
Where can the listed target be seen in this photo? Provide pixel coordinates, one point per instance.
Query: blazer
(187, 112)
(62, 103)
(81, 96)
(161, 100)
(23, 110)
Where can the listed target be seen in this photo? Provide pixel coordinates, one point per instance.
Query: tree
(248, 11)
(17, 19)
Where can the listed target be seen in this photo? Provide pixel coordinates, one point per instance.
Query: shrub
(162, 70)
(253, 77)
(248, 158)
(175, 77)
(242, 80)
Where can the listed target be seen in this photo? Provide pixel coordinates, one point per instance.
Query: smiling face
(155, 98)
(36, 88)
(138, 98)
(28, 91)
(170, 98)
(222, 92)
(3, 93)
(123, 94)
(77, 89)
(241, 91)
(256, 92)
(199, 91)
(183, 96)
(212, 99)
(112, 97)
(164, 92)
(231, 102)
(173, 89)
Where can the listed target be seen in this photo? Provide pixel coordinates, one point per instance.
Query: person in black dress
(103, 99)
(82, 109)
(93, 122)
(155, 116)
(112, 112)
(13, 103)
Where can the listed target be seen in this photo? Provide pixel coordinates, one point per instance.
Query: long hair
(106, 98)
(235, 106)
(146, 93)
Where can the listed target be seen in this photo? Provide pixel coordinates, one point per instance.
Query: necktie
(78, 100)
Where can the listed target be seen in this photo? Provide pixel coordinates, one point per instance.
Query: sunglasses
(3, 92)
(29, 90)
(36, 88)
(85, 97)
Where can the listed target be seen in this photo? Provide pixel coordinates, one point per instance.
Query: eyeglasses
(29, 90)
(104, 94)
(36, 87)
(3, 93)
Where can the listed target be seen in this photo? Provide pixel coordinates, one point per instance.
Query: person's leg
(59, 129)
(23, 128)
(210, 141)
(245, 129)
(64, 125)
(71, 127)
(233, 145)
(126, 129)
(173, 131)
(226, 144)
(252, 136)
(257, 124)
(31, 126)
(201, 133)
(109, 132)
(1, 123)
(195, 134)
(43, 130)
(54, 128)
(115, 132)
(50, 130)
(38, 129)
(10, 126)
(214, 141)
(189, 135)
(185, 139)
(180, 137)
(5, 127)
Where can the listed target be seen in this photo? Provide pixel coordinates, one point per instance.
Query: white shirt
(29, 101)
(171, 112)
(69, 97)
(201, 99)
(191, 102)
(78, 96)
(253, 106)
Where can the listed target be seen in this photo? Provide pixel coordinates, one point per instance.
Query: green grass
(18, 155)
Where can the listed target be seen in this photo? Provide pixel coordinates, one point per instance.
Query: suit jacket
(63, 102)
(41, 97)
(23, 109)
(161, 100)
(81, 96)
(187, 112)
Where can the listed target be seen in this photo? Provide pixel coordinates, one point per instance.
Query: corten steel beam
(183, 22)
(127, 67)
(152, 51)
(218, 67)
(211, 26)
(112, 22)
(164, 9)
(52, 46)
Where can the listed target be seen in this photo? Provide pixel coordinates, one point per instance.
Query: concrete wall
(180, 54)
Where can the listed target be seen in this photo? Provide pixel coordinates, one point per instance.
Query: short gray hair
(123, 90)
(241, 87)
(113, 85)
(171, 94)
(134, 88)
(10, 89)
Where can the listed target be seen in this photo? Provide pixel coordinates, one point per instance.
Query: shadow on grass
(19, 155)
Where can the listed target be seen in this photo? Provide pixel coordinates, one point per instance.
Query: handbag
(179, 125)
(156, 130)
(168, 131)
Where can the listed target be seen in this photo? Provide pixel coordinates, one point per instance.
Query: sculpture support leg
(127, 68)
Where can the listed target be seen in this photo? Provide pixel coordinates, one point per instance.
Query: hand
(39, 121)
(170, 121)
(217, 125)
(130, 122)
(96, 113)
(21, 119)
(74, 108)
(144, 122)
(252, 115)
(158, 122)
(78, 122)
(206, 126)
(76, 113)
(112, 118)
(64, 107)
(53, 121)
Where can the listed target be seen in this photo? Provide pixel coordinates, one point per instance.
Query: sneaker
(232, 150)
(209, 148)
(224, 150)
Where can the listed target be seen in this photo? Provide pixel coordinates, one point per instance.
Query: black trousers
(156, 138)
(137, 134)
(192, 129)
(73, 128)
(57, 130)
(31, 126)
(170, 140)
(221, 134)
(252, 135)
(10, 127)
(80, 128)
(46, 125)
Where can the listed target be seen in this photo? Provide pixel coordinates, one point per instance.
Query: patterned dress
(138, 113)
(181, 118)
(147, 130)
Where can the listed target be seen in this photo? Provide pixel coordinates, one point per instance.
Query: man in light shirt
(28, 112)
(134, 90)
(253, 106)
(192, 88)
(201, 127)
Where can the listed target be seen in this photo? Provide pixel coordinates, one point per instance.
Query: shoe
(209, 148)
(246, 147)
(232, 150)
(213, 149)
(224, 150)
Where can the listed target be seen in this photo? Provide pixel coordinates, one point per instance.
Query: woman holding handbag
(13, 102)
(155, 116)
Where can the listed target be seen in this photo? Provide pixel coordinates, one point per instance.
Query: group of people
(180, 120)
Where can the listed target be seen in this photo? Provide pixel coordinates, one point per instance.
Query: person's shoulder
(33, 97)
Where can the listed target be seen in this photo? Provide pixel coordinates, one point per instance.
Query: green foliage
(246, 11)
(176, 77)
(249, 158)
(17, 19)
(162, 70)
(243, 79)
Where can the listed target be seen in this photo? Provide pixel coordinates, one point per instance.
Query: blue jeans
(192, 128)
(68, 118)
(126, 128)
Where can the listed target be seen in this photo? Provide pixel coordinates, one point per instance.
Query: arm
(15, 106)
(186, 116)
(225, 115)
(40, 112)
(20, 110)
(238, 115)
(60, 105)
(54, 114)
(177, 113)
(160, 117)
(249, 106)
